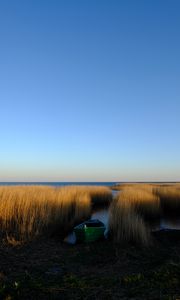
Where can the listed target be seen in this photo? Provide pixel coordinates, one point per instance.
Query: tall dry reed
(100, 195)
(144, 201)
(125, 186)
(29, 211)
(169, 197)
(125, 224)
(138, 203)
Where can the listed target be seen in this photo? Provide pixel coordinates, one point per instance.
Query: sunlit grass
(143, 200)
(125, 224)
(29, 211)
(169, 197)
(136, 205)
(125, 186)
(133, 206)
(146, 186)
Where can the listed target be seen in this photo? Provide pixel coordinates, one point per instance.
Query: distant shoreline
(66, 183)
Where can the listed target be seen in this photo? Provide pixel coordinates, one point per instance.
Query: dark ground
(49, 269)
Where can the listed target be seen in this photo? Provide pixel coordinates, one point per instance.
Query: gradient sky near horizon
(89, 90)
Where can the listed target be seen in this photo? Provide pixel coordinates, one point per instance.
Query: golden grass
(125, 186)
(99, 195)
(125, 224)
(133, 205)
(137, 203)
(29, 211)
(169, 197)
(149, 186)
(143, 200)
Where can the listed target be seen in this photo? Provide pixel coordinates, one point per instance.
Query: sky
(89, 90)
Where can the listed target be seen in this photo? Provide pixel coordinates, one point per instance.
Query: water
(170, 223)
(115, 192)
(58, 184)
(165, 222)
(101, 214)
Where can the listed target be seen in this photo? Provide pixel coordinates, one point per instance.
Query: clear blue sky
(89, 90)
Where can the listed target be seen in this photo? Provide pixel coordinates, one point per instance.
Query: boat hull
(87, 232)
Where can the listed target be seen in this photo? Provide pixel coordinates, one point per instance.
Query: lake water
(165, 222)
(58, 184)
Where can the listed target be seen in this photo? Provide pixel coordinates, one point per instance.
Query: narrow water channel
(102, 214)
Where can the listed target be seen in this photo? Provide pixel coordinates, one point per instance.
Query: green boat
(89, 231)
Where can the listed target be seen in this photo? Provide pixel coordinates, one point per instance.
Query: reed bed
(100, 195)
(144, 202)
(130, 211)
(136, 205)
(146, 186)
(169, 197)
(125, 186)
(29, 211)
(125, 224)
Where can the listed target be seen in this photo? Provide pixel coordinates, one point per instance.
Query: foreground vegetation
(49, 269)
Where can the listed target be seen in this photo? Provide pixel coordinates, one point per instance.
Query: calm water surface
(166, 222)
(58, 184)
